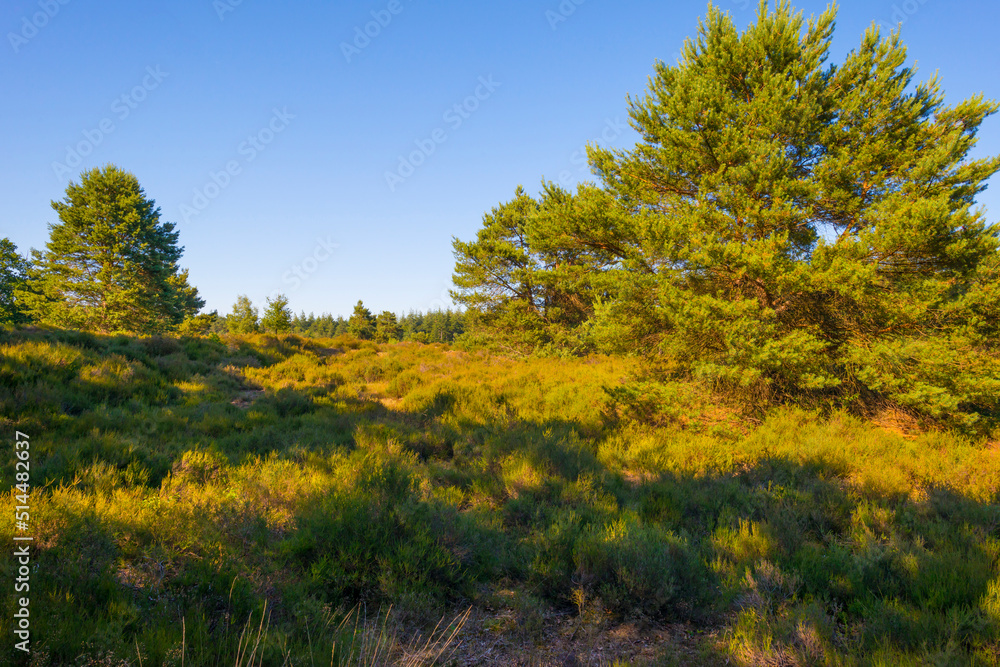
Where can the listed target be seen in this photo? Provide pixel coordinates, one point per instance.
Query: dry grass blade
(245, 640)
(458, 623)
(378, 643)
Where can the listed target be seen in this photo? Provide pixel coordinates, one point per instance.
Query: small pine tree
(13, 275)
(387, 328)
(198, 325)
(277, 316)
(243, 319)
(362, 324)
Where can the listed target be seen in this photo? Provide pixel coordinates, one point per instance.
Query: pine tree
(243, 319)
(362, 324)
(277, 316)
(13, 277)
(199, 325)
(812, 226)
(495, 277)
(785, 228)
(110, 263)
(387, 329)
(536, 268)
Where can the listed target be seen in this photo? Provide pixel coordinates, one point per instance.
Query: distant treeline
(435, 326)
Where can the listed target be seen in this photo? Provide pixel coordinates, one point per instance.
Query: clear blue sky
(183, 85)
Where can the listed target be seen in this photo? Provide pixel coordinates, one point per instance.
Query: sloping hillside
(231, 501)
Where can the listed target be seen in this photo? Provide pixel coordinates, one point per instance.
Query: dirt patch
(898, 422)
(566, 640)
(637, 478)
(246, 398)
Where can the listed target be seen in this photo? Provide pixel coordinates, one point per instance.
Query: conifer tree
(536, 268)
(243, 319)
(812, 226)
(785, 228)
(277, 317)
(387, 328)
(361, 324)
(495, 276)
(110, 264)
(199, 325)
(13, 276)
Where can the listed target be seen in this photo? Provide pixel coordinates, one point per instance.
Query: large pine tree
(785, 227)
(110, 264)
(815, 224)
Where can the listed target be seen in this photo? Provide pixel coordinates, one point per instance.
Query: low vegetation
(282, 500)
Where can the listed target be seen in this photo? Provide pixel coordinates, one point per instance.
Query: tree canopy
(13, 275)
(244, 318)
(277, 316)
(387, 327)
(785, 227)
(110, 264)
(362, 322)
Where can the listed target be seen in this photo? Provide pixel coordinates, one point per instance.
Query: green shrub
(639, 568)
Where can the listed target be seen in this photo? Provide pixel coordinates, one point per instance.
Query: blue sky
(268, 141)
